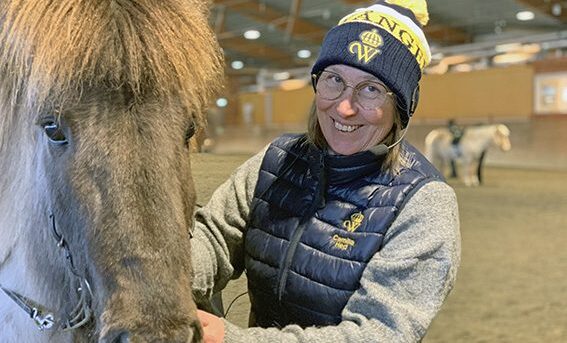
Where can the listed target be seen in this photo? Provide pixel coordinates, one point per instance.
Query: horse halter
(42, 317)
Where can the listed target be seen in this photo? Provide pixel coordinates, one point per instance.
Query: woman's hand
(213, 327)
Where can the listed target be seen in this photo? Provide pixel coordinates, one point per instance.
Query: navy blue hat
(385, 40)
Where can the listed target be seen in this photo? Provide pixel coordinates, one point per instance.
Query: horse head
(502, 137)
(98, 99)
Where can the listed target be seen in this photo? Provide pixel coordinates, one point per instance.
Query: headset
(382, 149)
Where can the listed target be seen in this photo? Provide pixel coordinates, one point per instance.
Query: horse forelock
(51, 51)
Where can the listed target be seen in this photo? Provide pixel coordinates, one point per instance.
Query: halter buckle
(42, 322)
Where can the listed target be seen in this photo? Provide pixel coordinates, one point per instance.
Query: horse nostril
(121, 338)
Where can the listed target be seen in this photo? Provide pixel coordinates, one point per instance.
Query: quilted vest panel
(312, 231)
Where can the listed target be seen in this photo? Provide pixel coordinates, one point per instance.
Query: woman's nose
(346, 106)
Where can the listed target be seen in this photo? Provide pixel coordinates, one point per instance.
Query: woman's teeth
(346, 128)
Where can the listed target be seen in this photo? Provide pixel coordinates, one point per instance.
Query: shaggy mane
(52, 50)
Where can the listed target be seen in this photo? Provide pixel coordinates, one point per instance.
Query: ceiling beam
(355, 2)
(546, 7)
(219, 20)
(292, 17)
(265, 14)
(294, 26)
(446, 35)
(258, 51)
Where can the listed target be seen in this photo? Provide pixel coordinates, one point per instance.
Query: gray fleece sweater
(401, 289)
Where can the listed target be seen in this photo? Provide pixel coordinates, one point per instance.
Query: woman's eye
(54, 132)
(330, 78)
(371, 90)
(336, 79)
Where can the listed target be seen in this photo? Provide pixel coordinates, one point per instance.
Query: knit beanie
(385, 40)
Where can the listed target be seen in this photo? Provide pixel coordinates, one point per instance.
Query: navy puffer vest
(316, 221)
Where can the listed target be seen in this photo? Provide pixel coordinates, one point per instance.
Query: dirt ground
(512, 284)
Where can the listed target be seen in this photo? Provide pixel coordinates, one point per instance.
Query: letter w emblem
(364, 52)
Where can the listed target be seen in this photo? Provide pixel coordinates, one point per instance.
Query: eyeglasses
(368, 94)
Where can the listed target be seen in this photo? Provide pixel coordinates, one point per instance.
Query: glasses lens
(368, 94)
(371, 95)
(330, 85)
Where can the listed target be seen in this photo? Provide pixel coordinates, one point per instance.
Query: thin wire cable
(232, 302)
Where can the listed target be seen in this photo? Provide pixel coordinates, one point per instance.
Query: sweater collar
(346, 168)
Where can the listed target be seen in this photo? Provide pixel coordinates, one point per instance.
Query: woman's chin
(344, 149)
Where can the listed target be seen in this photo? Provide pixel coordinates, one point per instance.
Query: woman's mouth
(345, 128)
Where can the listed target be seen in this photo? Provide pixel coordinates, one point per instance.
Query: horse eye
(189, 133)
(54, 132)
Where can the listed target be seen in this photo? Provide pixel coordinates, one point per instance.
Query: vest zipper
(289, 256)
(318, 197)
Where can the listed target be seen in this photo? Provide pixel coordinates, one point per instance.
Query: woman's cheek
(322, 104)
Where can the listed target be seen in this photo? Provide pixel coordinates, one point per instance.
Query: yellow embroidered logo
(354, 222)
(343, 243)
(367, 47)
(401, 31)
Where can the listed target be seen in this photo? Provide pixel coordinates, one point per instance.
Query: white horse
(475, 142)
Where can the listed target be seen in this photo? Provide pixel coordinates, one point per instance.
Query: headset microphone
(379, 150)
(382, 149)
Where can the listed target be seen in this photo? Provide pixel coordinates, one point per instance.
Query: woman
(347, 233)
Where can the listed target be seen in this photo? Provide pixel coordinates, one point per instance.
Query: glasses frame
(315, 80)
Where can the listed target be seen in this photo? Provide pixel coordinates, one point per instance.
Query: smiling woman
(357, 120)
(346, 231)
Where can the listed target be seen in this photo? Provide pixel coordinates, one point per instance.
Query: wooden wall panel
(292, 107)
(491, 93)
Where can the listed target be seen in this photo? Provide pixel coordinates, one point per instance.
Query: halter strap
(44, 318)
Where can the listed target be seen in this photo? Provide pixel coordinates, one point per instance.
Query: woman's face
(347, 126)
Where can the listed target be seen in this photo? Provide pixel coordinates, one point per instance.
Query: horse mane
(51, 51)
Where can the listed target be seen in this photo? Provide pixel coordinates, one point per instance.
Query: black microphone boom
(379, 150)
(382, 149)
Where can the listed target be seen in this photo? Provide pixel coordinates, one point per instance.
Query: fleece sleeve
(403, 286)
(217, 245)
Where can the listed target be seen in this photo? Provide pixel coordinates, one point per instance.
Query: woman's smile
(345, 128)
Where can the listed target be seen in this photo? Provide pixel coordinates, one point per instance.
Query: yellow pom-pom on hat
(418, 7)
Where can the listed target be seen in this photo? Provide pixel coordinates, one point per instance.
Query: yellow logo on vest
(343, 243)
(367, 48)
(354, 222)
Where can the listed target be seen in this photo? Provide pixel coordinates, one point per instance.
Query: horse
(98, 99)
(469, 151)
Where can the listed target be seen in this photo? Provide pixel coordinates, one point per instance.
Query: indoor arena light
(252, 34)
(292, 84)
(304, 53)
(511, 58)
(525, 15)
(463, 68)
(508, 47)
(237, 65)
(284, 75)
(222, 102)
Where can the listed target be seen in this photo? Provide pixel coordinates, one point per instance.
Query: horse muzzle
(195, 335)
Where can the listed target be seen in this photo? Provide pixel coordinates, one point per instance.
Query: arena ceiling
(464, 30)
